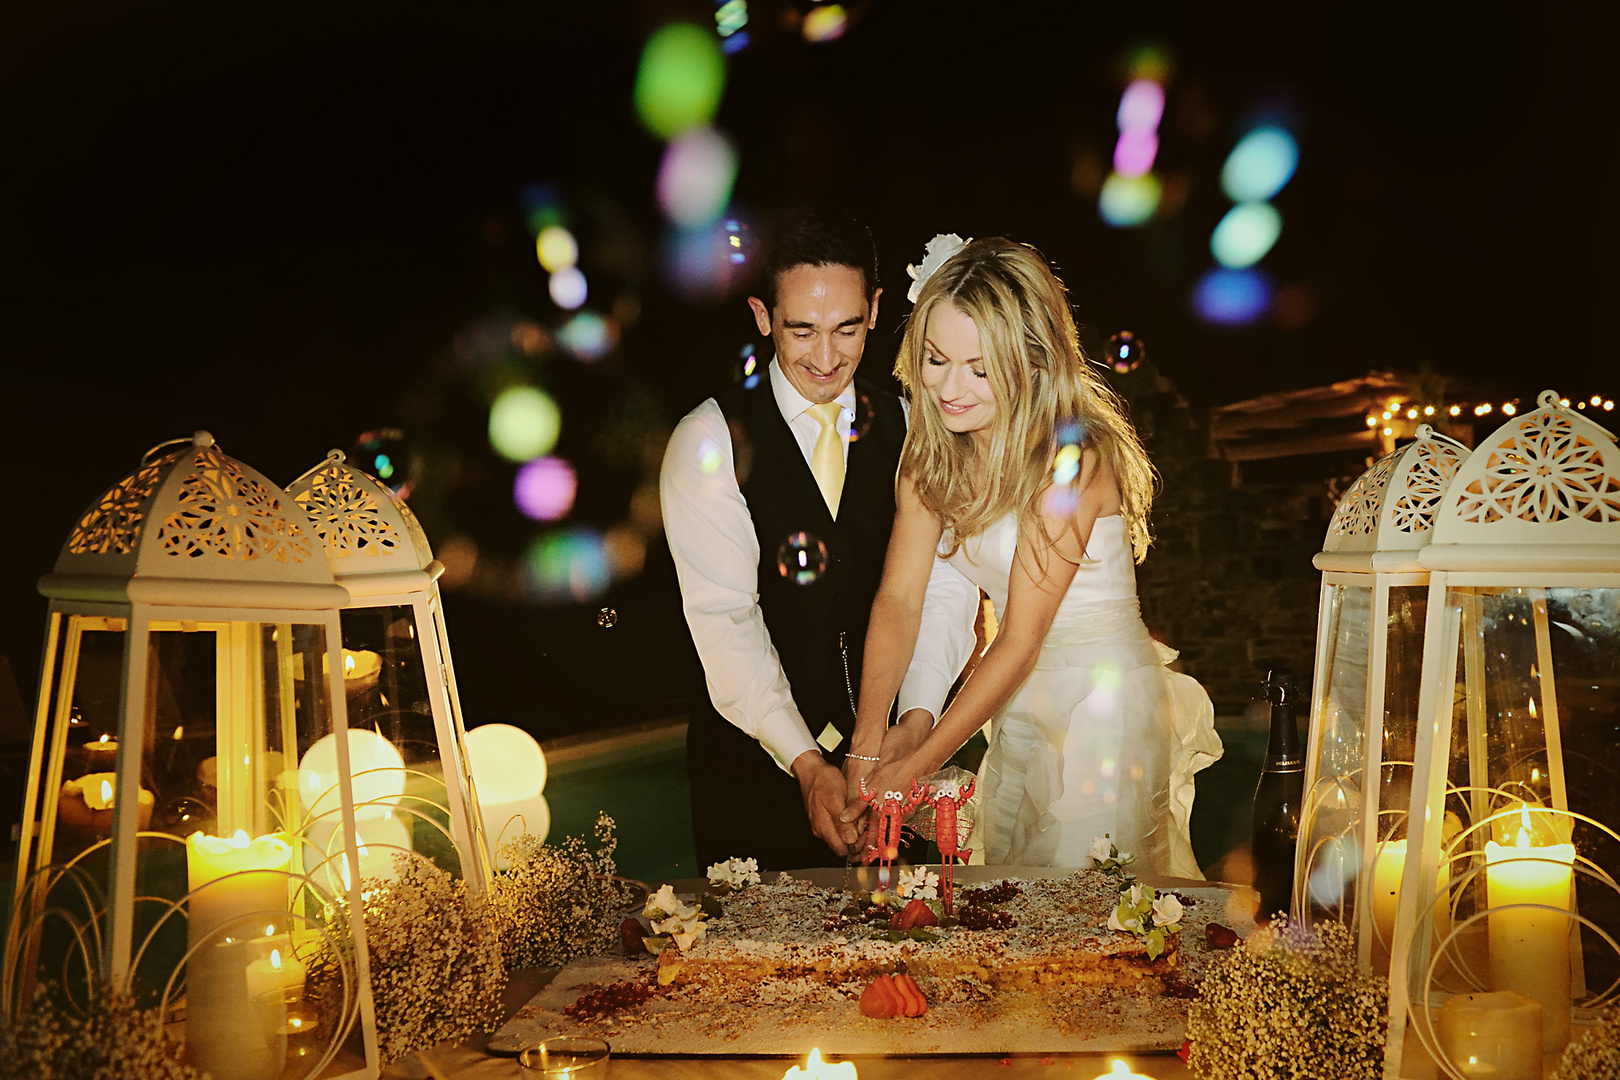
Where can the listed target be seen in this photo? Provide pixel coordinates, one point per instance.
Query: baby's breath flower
(435, 958)
(557, 903)
(109, 1036)
(1597, 1053)
(1291, 1002)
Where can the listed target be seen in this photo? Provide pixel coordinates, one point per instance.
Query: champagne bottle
(1277, 800)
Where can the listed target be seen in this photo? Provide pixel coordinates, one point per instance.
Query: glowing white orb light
(376, 770)
(509, 771)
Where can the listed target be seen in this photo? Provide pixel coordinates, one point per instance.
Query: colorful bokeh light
(544, 489)
(569, 565)
(696, 177)
(825, 22)
(703, 263)
(731, 17)
(1260, 165)
(1127, 201)
(568, 288)
(588, 336)
(523, 423)
(680, 80)
(556, 248)
(1232, 297)
(1245, 234)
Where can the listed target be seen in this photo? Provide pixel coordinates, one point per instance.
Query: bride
(1022, 472)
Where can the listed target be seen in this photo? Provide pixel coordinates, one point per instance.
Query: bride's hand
(897, 775)
(856, 770)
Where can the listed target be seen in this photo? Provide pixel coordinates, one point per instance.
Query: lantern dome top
(194, 526)
(1389, 512)
(1540, 492)
(372, 540)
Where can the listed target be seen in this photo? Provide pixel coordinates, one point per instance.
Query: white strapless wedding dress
(1102, 737)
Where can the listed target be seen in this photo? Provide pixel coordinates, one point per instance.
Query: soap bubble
(1125, 351)
(802, 558)
(384, 454)
(607, 618)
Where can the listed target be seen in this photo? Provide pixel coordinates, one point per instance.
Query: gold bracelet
(863, 757)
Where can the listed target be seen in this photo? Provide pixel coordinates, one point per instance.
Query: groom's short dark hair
(819, 236)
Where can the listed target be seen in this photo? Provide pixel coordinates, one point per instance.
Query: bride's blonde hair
(1041, 381)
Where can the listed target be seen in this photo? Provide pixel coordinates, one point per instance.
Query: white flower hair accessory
(939, 249)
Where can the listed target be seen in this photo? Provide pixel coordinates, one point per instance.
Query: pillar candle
(1496, 1035)
(211, 858)
(1389, 869)
(1529, 947)
(231, 1033)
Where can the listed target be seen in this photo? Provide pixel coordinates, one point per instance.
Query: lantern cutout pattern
(1363, 715)
(192, 657)
(407, 743)
(1508, 882)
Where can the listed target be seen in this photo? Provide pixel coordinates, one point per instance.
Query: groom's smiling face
(818, 326)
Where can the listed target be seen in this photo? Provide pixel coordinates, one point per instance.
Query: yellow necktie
(827, 459)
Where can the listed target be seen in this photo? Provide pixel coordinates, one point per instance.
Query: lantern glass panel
(1330, 823)
(1546, 739)
(1403, 677)
(386, 683)
(1342, 722)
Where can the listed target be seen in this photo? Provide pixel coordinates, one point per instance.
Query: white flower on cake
(734, 875)
(1108, 858)
(1167, 911)
(1151, 917)
(683, 923)
(918, 884)
(940, 248)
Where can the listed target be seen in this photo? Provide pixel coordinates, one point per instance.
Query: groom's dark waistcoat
(819, 625)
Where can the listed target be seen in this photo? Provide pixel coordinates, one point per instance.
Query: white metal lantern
(1364, 709)
(412, 788)
(1509, 883)
(192, 657)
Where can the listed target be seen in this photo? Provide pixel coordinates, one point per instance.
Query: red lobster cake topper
(943, 814)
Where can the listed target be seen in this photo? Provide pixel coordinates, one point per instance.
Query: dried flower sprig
(1148, 915)
(435, 958)
(111, 1037)
(559, 902)
(1597, 1053)
(1291, 1002)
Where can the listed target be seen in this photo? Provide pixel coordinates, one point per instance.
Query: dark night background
(273, 221)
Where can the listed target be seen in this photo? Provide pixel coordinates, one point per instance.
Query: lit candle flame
(106, 792)
(275, 959)
(348, 663)
(1524, 827)
(816, 1069)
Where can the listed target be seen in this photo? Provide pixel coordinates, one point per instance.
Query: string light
(1456, 410)
(1411, 414)
(1507, 407)
(1428, 410)
(1372, 421)
(1388, 432)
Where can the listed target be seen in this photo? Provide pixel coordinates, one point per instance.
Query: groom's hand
(822, 787)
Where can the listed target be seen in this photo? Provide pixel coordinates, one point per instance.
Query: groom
(778, 498)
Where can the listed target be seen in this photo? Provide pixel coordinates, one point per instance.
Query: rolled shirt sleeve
(945, 640)
(716, 554)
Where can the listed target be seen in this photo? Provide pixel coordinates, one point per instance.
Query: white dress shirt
(716, 553)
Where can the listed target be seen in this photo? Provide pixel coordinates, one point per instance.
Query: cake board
(783, 1020)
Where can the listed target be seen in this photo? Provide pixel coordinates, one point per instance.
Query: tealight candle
(1496, 1035)
(277, 973)
(816, 1069)
(1529, 946)
(84, 809)
(1121, 1071)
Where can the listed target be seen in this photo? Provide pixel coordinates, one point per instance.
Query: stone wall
(1229, 581)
